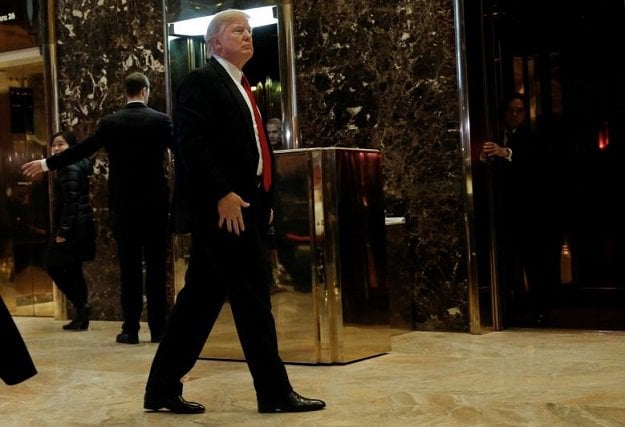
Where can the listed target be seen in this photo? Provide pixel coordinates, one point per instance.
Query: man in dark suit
(136, 139)
(521, 170)
(226, 184)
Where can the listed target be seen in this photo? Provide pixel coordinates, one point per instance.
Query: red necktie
(264, 147)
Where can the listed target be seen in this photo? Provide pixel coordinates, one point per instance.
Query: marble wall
(370, 74)
(99, 42)
(381, 74)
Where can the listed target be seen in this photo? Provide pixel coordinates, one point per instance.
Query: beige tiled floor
(510, 378)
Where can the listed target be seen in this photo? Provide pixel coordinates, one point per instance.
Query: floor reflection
(510, 378)
(298, 329)
(29, 292)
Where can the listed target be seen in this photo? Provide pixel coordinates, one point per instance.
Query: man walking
(226, 177)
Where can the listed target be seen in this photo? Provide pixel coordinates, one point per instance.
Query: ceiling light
(259, 17)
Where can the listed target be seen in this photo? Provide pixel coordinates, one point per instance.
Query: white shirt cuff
(44, 165)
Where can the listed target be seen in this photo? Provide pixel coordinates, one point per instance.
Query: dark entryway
(564, 57)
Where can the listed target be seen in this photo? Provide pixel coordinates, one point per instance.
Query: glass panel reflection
(24, 204)
(332, 305)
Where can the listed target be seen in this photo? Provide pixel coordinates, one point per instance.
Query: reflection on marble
(510, 378)
(381, 74)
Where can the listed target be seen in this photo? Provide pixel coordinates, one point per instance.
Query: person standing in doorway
(521, 165)
(136, 139)
(73, 235)
(227, 179)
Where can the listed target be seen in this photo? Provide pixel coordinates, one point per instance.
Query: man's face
(235, 44)
(274, 134)
(515, 114)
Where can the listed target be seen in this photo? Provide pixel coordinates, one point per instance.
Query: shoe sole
(158, 408)
(291, 410)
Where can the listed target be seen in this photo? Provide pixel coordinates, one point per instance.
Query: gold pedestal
(331, 302)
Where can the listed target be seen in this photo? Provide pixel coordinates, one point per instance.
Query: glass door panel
(24, 203)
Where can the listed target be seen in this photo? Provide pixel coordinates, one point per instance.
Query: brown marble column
(98, 43)
(382, 74)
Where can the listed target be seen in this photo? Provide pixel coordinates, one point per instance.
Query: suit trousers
(71, 281)
(16, 364)
(222, 265)
(141, 238)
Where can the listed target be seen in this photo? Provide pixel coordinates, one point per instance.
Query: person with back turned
(226, 178)
(136, 139)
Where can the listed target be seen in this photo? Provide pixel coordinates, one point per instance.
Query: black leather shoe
(293, 402)
(175, 404)
(126, 338)
(156, 338)
(77, 325)
(81, 319)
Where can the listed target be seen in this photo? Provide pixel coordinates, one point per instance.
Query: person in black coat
(16, 365)
(522, 168)
(136, 139)
(224, 180)
(73, 235)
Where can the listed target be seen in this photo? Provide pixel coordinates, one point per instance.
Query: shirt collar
(232, 69)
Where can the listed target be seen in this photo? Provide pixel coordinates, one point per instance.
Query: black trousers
(141, 237)
(71, 281)
(16, 364)
(222, 265)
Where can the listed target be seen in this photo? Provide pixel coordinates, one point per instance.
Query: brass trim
(286, 42)
(475, 324)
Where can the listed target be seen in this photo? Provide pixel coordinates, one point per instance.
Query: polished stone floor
(511, 378)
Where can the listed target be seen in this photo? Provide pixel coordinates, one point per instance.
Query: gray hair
(218, 24)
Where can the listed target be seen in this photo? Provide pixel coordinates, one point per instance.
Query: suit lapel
(236, 93)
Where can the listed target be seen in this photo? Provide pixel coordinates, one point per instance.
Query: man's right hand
(492, 149)
(32, 168)
(229, 208)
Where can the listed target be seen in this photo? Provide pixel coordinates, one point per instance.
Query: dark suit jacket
(136, 139)
(525, 183)
(15, 362)
(215, 146)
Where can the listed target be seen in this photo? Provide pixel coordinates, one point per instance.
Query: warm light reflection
(603, 139)
(259, 17)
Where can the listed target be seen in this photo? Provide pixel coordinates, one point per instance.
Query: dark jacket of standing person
(522, 168)
(73, 234)
(72, 207)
